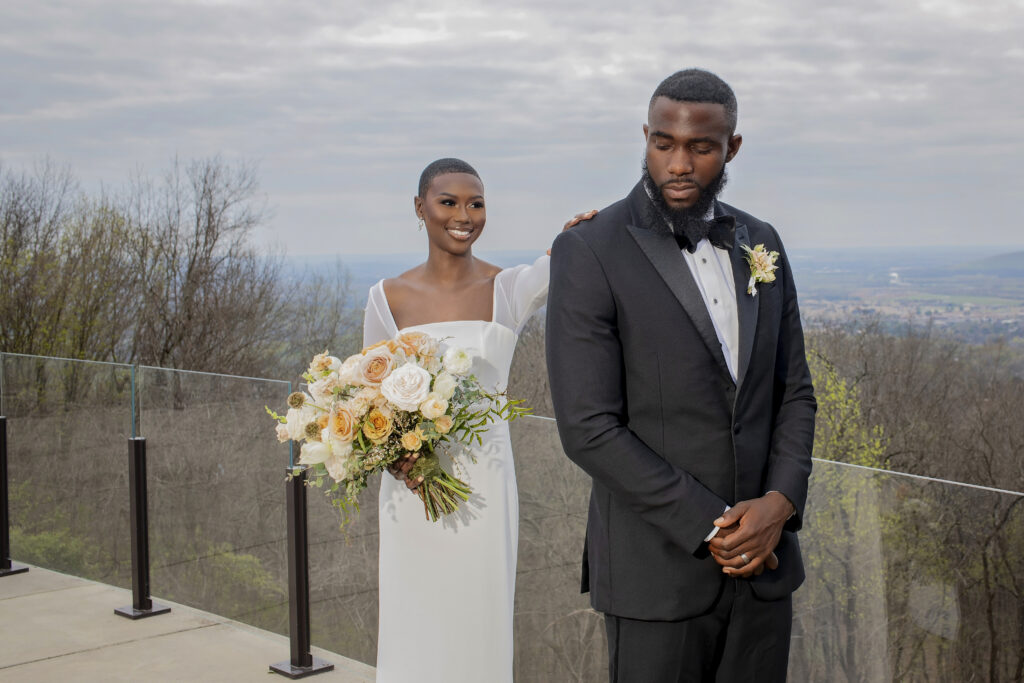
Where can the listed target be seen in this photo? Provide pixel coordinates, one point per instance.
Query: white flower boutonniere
(762, 266)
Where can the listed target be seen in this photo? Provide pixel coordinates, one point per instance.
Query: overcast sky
(864, 122)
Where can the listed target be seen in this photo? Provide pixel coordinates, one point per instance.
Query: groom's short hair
(441, 167)
(698, 85)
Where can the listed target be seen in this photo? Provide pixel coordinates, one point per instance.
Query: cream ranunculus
(348, 373)
(444, 385)
(324, 362)
(322, 390)
(457, 361)
(406, 387)
(282, 432)
(433, 406)
(375, 366)
(297, 419)
(362, 401)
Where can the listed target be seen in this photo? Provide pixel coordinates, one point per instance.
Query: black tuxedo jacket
(646, 406)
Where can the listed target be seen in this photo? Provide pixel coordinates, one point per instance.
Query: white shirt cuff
(714, 531)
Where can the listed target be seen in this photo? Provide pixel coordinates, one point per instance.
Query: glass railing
(216, 493)
(908, 578)
(68, 424)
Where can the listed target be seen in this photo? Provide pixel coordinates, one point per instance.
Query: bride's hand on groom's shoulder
(400, 470)
(576, 220)
(579, 218)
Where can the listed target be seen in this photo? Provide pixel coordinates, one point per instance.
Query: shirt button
(703, 260)
(715, 300)
(736, 429)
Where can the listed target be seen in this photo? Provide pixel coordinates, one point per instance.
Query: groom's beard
(689, 222)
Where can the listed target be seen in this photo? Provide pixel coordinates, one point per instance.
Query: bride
(447, 587)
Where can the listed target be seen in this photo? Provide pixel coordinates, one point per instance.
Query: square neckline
(398, 330)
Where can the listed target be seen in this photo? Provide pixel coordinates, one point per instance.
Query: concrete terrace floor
(55, 627)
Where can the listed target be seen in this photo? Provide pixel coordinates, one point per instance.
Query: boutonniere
(762, 266)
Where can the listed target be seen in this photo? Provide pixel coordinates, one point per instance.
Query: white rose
(406, 387)
(444, 385)
(457, 361)
(314, 452)
(297, 419)
(433, 406)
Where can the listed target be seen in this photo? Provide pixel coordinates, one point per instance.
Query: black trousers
(742, 638)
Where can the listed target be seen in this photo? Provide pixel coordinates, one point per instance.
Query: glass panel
(216, 493)
(909, 579)
(68, 424)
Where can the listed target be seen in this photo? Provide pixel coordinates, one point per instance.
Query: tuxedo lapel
(746, 305)
(662, 251)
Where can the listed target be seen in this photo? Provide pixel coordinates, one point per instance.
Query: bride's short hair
(441, 167)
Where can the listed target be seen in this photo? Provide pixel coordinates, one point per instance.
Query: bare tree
(34, 208)
(207, 299)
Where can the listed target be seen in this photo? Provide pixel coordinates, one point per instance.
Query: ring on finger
(746, 560)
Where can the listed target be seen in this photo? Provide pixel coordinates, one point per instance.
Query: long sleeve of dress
(520, 291)
(377, 322)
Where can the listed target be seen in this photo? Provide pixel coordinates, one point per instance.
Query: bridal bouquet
(395, 398)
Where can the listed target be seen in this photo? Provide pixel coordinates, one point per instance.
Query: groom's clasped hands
(748, 533)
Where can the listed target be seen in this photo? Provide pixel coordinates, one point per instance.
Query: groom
(680, 386)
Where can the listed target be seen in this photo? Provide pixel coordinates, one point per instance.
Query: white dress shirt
(712, 271)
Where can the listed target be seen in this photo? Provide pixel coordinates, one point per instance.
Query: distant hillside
(1004, 265)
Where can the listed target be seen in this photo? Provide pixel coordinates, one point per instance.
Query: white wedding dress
(447, 587)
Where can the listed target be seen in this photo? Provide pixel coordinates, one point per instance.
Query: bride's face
(453, 210)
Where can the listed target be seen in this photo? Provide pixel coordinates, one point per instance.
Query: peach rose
(412, 441)
(378, 426)
(444, 424)
(375, 366)
(342, 423)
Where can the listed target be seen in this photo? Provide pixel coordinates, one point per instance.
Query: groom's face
(688, 145)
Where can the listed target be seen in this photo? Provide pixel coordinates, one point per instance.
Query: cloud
(857, 117)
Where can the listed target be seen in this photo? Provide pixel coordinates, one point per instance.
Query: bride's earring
(421, 224)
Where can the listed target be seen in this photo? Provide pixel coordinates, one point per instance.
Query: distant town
(975, 294)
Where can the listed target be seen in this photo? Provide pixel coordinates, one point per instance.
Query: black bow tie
(721, 233)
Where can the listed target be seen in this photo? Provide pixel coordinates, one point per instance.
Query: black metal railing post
(302, 663)
(142, 605)
(7, 567)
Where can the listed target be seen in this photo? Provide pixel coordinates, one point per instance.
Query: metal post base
(288, 669)
(15, 568)
(132, 613)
